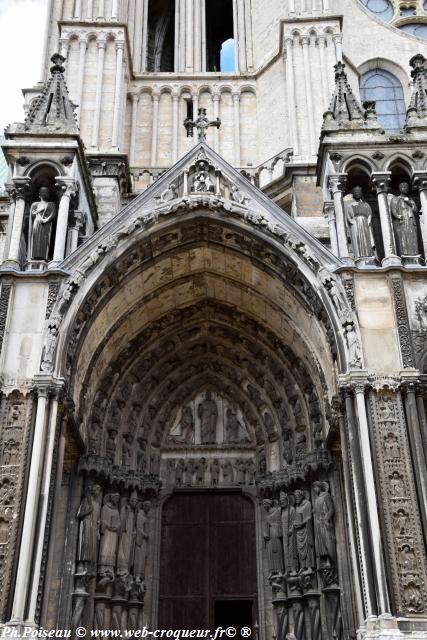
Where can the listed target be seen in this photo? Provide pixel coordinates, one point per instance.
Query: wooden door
(207, 556)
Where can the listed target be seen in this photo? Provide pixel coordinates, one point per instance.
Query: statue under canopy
(358, 214)
(42, 216)
(404, 215)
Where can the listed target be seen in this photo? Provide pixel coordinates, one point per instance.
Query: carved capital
(419, 180)
(135, 96)
(381, 181)
(19, 188)
(67, 187)
(305, 40)
(337, 183)
(120, 45)
(101, 43)
(383, 383)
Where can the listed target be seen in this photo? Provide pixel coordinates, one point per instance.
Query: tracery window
(416, 29)
(383, 9)
(386, 90)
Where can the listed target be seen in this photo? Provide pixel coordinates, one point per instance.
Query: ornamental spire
(53, 110)
(416, 115)
(345, 112)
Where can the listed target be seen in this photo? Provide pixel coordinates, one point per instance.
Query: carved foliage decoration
(405, 548)
(402, 323)
(15, 423)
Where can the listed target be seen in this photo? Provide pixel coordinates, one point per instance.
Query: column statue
(303, 528)
(127, 533)
(404, 215)
(141, 541)
(324, 528)
(110, 531)
(358, 214)
(273, 537)
(288, 533)
(85, 541)
(42, 215)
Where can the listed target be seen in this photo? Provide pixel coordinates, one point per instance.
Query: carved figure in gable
(273, 537)
(110, 531)
(202, 180)
(208, 415)
(141, 541)
(324, 528)
(42, 215)
(404, 214)
(303, 528)
(358, 214)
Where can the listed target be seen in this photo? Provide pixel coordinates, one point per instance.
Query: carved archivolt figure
(358, 214)
(324, 528)
(404, 213)
(208, 414)
(42, 215)
(110, 531)
(273, 537)
(303, 531)
(141, 541)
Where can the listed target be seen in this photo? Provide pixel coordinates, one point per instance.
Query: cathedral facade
(213, 322)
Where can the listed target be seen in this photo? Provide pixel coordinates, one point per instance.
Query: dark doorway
(219, 30)
(234, 613)
(161, 35)
(207, 560)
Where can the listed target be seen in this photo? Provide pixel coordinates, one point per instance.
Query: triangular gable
(203, 179)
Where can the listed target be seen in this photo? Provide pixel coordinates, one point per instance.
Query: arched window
(219, 36)
(386, 90)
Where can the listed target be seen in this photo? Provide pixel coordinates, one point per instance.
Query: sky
(22, 27)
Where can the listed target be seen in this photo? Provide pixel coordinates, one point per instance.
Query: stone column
(420, 183)
(189, 35)
(155, 100)
(134, 120)
(236, 109)
(197, 53)
(75, 226)
(114, 9)
(321, 41)
(337, 38)
(305, 43)
(175, 124)
(143, 63)
(325, 5)
(78, 9)
(176, 44)
(216, 97)
(329, 213)
(242, 35)
(336, 185)
(381, 182)
(248, 36)
(98, 95)
(81, 75)
(290, 86)
(68, 188)
(44, 503)
(23, 574)
(422, 419)
(137, 36)
(18, 191)
(291, 4)
(89, 9)
(101, 9)
(63, 47)
(370, 492)
(117, 95)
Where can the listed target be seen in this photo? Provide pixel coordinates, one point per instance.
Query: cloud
(22, 36)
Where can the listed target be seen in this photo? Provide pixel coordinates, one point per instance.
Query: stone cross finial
(202, 125)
